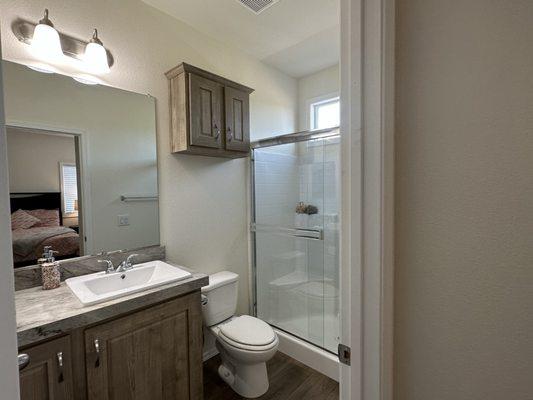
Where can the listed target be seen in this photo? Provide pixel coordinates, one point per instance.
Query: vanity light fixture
(57, 52)
(95, 57)
(45, 43)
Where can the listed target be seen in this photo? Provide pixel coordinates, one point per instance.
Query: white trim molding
(9, 379)
(367, 134)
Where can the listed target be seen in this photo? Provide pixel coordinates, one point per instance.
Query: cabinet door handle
(97, 349)
(230, 135)
(217, 132)
(60, 377)
(23, 361)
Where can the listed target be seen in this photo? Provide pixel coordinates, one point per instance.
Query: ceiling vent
(258, 6)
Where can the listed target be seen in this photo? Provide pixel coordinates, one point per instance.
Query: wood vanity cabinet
(209, 115)
(49, 372)
(151, 354)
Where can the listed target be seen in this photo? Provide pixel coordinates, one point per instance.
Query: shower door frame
(303, 136)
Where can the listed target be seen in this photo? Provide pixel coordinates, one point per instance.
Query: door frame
(82, 162)
(367, 162)
(9, 379)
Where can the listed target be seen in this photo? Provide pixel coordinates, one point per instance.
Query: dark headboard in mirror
(36, 201)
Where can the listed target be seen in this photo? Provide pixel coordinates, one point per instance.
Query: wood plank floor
(289, 380)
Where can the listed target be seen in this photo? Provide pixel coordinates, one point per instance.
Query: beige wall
(313, 88)
(34, 160)
(203, 212)
(464, 200)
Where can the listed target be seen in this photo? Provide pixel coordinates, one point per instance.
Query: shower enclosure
(295, 232)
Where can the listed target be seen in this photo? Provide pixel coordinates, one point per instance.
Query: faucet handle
(110, 267)
(128, 259)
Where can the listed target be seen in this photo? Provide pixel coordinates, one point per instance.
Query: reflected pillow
(20, 219)
(46, 217)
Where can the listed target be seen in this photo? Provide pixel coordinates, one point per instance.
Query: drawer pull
(23, 360)
(60, 364)
(97, 349)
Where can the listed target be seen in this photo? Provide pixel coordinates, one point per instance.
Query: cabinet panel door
(49, 372)
(153, 354)
(205, 97)
(237, 106)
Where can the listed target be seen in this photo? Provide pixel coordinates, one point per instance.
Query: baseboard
(312, 356)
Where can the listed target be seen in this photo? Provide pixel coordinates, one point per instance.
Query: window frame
(61, 187)
(315, 104)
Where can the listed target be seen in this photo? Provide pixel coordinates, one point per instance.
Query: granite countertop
(42, 314)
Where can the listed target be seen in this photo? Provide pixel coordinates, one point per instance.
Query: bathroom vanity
(147, 345)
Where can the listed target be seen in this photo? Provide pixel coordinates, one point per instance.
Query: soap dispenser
(51, 275)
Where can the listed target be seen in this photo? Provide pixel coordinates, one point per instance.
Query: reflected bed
(36, 222)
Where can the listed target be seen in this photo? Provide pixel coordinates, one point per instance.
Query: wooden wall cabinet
(152, 354)
(209, 115)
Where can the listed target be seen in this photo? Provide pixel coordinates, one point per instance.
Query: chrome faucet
(110, 268)
(126, 264)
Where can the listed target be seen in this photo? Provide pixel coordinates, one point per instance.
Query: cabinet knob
(217, 131)
(230, 135)
(23, 361)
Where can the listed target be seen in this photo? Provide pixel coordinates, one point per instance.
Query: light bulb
(45, 43)
(95, 57)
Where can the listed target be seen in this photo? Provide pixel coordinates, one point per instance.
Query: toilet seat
(247, 333)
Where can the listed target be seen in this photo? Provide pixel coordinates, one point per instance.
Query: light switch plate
(123, 220)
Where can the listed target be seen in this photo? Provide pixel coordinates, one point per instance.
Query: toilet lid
(249, 331)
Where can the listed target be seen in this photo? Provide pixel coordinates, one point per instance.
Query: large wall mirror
(82, 166)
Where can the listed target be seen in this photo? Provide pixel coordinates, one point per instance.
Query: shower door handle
(303, 233)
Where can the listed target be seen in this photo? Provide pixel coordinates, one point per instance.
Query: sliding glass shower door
(296, 232)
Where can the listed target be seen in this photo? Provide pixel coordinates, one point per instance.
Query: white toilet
(245, 343)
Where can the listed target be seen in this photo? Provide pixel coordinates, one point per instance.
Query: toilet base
(248, 380)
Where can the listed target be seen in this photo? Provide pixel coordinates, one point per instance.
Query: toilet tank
(220, 302)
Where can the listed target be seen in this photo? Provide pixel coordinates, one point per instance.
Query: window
(325, 114)
(69, 188)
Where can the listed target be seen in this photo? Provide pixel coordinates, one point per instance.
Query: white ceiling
(299, 37)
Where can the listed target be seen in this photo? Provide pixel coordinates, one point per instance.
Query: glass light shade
(46, 44)
(95, 59)
(85, 79)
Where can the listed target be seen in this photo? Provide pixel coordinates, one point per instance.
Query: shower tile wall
(276, 195)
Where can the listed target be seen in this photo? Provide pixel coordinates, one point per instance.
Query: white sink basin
(100, 287)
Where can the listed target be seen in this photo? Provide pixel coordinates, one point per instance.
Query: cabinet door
(205, 97)
(237, 106)
(49, 372)
(153, 354)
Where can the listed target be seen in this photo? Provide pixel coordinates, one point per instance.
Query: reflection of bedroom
(44, 194)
